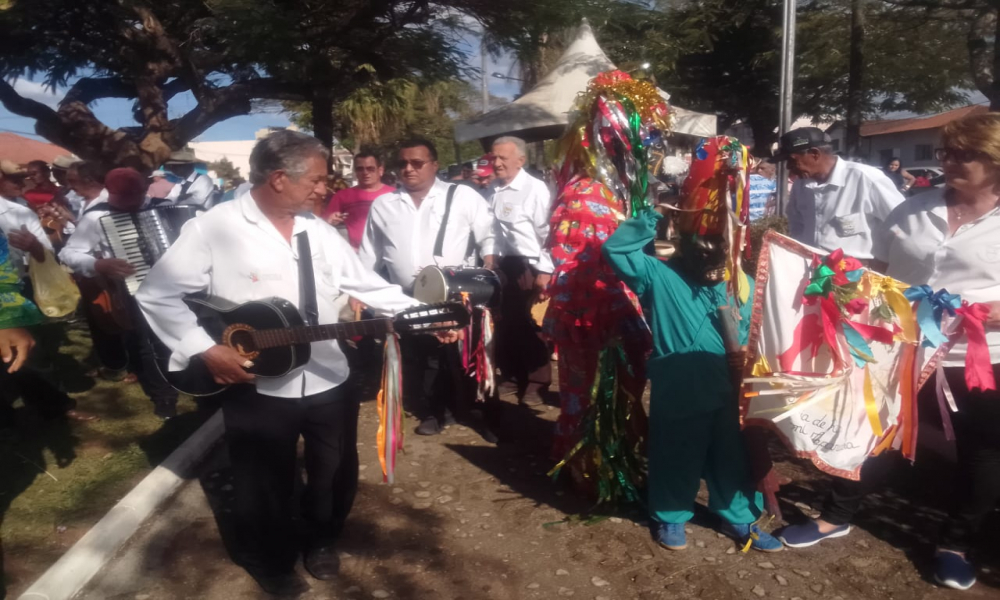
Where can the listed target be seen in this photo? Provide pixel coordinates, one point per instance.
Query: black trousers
(432, 377)
(977, 474)
(262, 434)
(130, 350)
(35, 389)
(520, 352)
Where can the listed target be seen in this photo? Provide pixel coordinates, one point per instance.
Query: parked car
(927, 177)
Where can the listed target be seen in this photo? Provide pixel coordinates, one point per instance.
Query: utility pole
(785, 112)
(856, 79)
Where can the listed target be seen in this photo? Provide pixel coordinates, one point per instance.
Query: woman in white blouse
(946, 238)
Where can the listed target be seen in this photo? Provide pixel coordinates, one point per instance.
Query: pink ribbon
(978, 368)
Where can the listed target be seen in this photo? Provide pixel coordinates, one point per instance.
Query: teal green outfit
(694, 430)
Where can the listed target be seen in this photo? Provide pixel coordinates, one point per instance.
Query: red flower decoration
(856, 306)
(611, 78)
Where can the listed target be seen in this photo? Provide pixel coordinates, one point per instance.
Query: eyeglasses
(417, 164)
(363, 169)
(957, 155)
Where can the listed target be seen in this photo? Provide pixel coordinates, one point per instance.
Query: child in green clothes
(694, 430)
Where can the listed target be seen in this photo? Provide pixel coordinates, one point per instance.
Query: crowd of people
(581, 247)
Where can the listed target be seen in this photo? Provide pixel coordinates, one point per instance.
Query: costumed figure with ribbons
(697, 304)
(593, 319)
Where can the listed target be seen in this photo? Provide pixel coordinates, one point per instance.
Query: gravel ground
(470, 520)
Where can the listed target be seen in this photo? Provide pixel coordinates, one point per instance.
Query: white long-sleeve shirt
(233, 251)
(199, 191)
(401, 237)
(844, 211)
(917, 244)
(522, 209)
(12, 217)
(87, 242)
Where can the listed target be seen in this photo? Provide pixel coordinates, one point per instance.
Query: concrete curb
(81, 562)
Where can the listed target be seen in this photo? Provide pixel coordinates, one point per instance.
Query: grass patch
(60, 477)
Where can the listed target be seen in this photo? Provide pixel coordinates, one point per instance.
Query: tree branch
(45, 117)
(89, 89)
(233, 101)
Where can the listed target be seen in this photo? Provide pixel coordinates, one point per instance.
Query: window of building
(884, 156)
(923, 152)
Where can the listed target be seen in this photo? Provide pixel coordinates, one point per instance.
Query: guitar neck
(292, 336)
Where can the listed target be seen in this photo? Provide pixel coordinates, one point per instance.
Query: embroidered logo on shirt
(253, 277)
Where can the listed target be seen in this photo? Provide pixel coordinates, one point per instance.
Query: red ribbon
(978, 369)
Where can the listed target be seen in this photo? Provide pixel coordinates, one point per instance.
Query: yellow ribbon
(870, 406)
(892, 290)
(761, 368)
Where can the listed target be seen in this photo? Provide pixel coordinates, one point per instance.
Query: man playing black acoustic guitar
(265, 244)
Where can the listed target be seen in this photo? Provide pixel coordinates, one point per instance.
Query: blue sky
(118, 113)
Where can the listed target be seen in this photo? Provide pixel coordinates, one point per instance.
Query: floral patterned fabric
(15, 309)
(589, 306)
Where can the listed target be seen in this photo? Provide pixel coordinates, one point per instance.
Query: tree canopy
(383, 114)
(723, 56)
(228, 54)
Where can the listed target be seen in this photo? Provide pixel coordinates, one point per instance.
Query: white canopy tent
(543, 112)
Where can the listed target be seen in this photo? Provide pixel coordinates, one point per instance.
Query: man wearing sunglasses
(835, 203)
(350, 207)
(402, 236)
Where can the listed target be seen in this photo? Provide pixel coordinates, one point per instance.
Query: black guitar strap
(307, 281)
(439, 244)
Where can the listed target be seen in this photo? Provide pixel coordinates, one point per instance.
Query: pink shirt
(356, 202)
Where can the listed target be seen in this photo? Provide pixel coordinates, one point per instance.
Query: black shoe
(165, 410)
(429, 426)
(284, 585)
(449, 420)
(488, 436)
(322, 563)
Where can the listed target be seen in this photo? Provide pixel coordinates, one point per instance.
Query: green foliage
(723, 56)
(383, 114)
(225, 169)
(228, 53)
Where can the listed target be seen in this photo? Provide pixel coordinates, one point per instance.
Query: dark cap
(799, 140)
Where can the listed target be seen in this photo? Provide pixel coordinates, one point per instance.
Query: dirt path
(469, 520)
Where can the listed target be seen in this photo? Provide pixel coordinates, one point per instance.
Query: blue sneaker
(952, 570)
(808, 534)
(671, 536)
(759, 539)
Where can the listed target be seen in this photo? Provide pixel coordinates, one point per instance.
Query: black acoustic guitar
(272, 334)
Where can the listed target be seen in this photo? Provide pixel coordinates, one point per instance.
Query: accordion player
(140, 238)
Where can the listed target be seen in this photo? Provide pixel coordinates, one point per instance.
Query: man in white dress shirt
(20, 224)
(400, 237)
(197, 189)
(522, 206)
(248, 249)
(835, 203)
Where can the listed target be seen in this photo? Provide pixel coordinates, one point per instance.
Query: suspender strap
(307, 281)
(98, 206)
(439, 244)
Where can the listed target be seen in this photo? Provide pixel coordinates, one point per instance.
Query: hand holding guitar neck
(227, 366)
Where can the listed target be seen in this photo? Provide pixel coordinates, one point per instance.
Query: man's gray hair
(522, 148)
(286, 151)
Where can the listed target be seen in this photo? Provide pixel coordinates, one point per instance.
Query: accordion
(140, 238)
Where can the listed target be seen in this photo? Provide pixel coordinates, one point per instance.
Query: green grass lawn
(59, 478)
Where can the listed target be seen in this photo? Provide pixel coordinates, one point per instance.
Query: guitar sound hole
(243, 342)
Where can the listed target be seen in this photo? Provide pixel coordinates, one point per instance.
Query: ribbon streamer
(931, 308)
(978, 367)
(390, 409)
